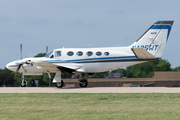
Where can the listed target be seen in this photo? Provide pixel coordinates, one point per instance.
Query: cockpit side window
(57, 53)
(52, 56)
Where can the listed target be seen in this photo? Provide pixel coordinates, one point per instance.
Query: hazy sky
(82, 23)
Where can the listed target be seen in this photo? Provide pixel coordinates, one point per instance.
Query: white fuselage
(89, 60)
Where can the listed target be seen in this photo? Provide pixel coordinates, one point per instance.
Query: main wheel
(83, 83)
(23, 83)
(59, 84)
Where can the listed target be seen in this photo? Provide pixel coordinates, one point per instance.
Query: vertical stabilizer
(155, 38)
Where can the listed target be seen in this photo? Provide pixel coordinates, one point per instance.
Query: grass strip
(90, 106)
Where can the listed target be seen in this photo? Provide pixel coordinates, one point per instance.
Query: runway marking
(90, 90)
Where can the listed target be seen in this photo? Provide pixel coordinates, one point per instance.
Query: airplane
(86, 61)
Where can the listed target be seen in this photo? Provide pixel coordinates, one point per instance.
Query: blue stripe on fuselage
(88, 59)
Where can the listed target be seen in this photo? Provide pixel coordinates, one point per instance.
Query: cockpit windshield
(48, 54)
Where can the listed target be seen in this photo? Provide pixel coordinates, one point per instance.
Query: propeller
(20, 62)
(19, 66)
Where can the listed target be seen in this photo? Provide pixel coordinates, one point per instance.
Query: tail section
(154, 39)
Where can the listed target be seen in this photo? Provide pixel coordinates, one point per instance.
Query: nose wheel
(23, 82)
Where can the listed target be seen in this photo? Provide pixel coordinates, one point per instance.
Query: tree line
(145, 69)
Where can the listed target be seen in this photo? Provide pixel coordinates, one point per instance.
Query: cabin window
(106, 53)
(98, 53)
(89, 53)
(70, 53)
(79, 53)
(58, 53)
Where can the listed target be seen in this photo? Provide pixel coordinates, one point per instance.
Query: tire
(23, 83)
(83, 83)
(60, 84)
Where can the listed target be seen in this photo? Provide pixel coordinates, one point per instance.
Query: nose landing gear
(23, 82)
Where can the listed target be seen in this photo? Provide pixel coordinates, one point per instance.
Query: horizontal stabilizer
(142, 53)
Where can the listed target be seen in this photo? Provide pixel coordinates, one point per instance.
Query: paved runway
(90, 90)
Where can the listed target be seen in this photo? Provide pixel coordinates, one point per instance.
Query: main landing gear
(83, 83)
(57, 80)
(83, 80)
(60, 84)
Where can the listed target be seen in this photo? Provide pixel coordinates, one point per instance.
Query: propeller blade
(21, 50)
(19, 66)
(46, 49)
(24, 69)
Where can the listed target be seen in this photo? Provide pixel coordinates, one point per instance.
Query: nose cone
(12, 66)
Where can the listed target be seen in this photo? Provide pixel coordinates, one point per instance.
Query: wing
(52, 67)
